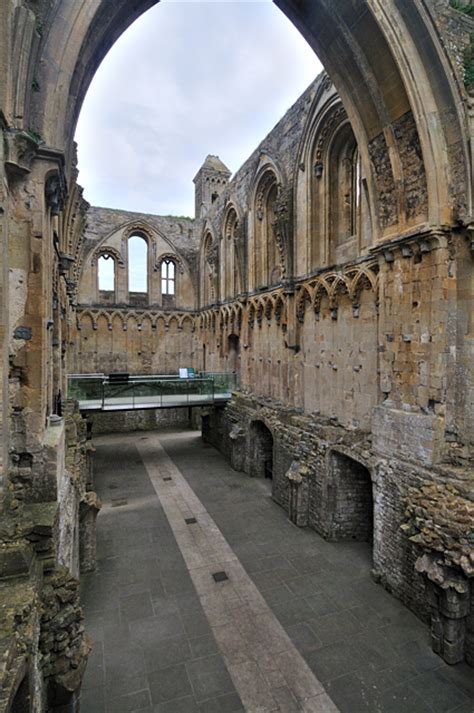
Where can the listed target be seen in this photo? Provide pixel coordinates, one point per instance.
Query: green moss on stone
(469, 64)
(466, 9)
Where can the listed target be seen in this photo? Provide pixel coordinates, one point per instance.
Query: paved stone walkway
(167, 638)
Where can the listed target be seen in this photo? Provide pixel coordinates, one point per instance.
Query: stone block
(407, 435)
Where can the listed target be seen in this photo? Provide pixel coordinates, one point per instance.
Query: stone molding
(350, 281)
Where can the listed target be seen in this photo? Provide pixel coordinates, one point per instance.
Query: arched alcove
(350, 503)
(260, 451)
(233, 352)
(209, 262)
(266, 268)
(22, 700)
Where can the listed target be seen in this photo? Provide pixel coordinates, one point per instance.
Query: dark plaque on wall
(23, 333)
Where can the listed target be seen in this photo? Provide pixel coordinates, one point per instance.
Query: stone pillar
(237, 447)
(298, 500)
(449, 598)
(88, 510)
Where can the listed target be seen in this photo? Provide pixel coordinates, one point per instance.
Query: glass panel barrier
(118, 396)
(87, 390)
(97, 392)
(147, 393)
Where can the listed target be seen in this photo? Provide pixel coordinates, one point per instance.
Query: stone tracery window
(209, 270)
(168, 277)
(232, 256)
(267, 269)
(342, 190)
(349, 222)
(339, 220)
(106, 273)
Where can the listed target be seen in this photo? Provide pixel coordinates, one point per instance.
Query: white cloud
(185, 80)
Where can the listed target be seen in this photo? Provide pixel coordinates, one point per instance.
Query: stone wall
(48, 537)
(337, 481)
(145, 420)
(345, 305)
(135, 342)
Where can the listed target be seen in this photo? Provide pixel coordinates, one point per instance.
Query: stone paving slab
(153, 647)
(368, 651)
(245, 628)
(371, 653)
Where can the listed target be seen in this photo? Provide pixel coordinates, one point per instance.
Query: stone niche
(348, 503)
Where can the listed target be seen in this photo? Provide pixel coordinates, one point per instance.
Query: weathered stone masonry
(333, 272)
(348, 382)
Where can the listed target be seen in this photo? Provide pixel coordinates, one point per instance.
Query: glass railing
(99, 392)
(224, 382)
(87, 387)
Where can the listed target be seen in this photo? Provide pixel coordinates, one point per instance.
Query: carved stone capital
(20, 150)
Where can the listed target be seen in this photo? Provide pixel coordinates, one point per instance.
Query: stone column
(88, 510)
(449, 598)
(298, 500)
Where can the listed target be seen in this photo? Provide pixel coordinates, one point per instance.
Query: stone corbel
(20, 150)
(53, 194)
(414, 243)
(65, 262)
(55, 183)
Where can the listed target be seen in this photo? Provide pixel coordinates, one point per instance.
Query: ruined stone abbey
(332, 273)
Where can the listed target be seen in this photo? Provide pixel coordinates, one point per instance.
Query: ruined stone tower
(210, 181)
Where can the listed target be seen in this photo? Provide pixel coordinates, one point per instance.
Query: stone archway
(386, 85)
(260, 451)
(389, 61)
(350, 502)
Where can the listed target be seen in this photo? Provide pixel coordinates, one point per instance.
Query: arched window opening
(209, 271)
(274, 268)
(168, 283)
(267, 269)
(106, 276)
(232, 259)
(138, 270)
(168, 277)
(345, 196)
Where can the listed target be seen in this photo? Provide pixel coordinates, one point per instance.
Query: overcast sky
(185, 80)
